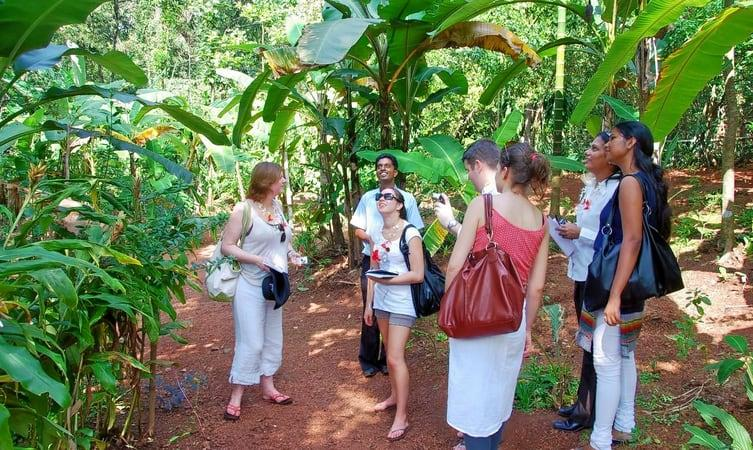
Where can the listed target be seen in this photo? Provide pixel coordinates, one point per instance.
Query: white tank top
(263, 239)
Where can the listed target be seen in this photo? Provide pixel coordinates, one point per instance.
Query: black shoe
(567, 425)
(385, 370)
(370, 372)
(567, 411)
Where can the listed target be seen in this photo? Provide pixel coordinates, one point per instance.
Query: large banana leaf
(116, 62)
(25, 369)
(186, 118)
(277, 94)
(222, 155)
(445, 14)
(484, 35)
(284, 60)
(280, 126)
(449, 152)
(246, 106)
(565, 163)
(412, 162)
(403, 38)
(328, 42)
(622, 110)
(26, 25)
(510, 72)
(455, 83)
(688, 70)
(434, 236)
(401, 9)
(172, 167)
(509, 128)
(658, 14)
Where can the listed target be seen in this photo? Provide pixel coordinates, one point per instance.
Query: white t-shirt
(368, 218)
(394, 298)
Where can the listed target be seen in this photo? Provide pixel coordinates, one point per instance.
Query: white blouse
(593, 197)
(395, 298)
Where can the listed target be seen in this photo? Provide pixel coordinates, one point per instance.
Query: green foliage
(658, 14)
(688, 70)
(544, 386)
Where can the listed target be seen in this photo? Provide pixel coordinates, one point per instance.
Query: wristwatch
(452, 224)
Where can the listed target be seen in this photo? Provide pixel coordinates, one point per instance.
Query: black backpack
(426, 295)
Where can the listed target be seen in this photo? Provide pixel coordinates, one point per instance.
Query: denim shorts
(401, 320)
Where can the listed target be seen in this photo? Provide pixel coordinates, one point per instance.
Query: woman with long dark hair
(390, 301)
(613, 331)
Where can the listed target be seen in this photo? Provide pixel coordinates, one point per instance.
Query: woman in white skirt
(390, 299)
(258, 326)
(483, 371)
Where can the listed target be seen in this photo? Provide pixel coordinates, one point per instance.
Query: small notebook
(378, 273)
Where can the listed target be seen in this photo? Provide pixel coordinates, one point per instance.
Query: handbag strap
(488, 216)
(616, 204)
(246, 222)
(403, 246)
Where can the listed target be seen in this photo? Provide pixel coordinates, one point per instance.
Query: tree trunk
(385, 130)
(288, 190)
(351, 183)
(152, 405)
(731, 128)
(559, 110)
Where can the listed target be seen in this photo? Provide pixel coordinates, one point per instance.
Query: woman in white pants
(613, 329)
(258, 326)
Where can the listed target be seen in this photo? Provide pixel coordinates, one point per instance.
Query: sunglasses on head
(386, 196)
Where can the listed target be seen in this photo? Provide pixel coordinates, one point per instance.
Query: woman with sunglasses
(390, 299)
(258, 326)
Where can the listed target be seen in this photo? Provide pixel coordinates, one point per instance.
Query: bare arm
(631, 212)
(535, 288)
(363, 235)
(464, 243)
(232, 235)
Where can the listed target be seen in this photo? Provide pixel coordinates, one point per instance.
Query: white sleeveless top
(396, 298)
(263, 239)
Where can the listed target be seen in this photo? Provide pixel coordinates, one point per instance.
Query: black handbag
(427, 295)
(656, 272)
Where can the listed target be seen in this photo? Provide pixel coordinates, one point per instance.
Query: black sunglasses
(386, 196)
(283, 236)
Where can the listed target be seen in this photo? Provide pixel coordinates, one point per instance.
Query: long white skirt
(482, 379)
(258, 335)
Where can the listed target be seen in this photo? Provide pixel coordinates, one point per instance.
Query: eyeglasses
(387, 196)
(283, 236)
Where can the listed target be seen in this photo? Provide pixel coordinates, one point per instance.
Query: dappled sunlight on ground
(342, 418)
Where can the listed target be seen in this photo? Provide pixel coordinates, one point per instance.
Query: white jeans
(616, 379)
(258, 335)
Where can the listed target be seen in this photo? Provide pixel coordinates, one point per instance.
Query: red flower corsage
(375, 255)
(386, 246)
(586, 204)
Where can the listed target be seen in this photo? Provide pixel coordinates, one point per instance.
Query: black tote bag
(656, 272)
(427, 295)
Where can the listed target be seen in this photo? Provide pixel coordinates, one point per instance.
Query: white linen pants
(258, 335)
(616, 380)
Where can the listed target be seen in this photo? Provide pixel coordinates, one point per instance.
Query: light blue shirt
(368, 218)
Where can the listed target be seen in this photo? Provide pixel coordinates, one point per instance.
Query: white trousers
(616, 380)
(258, 335)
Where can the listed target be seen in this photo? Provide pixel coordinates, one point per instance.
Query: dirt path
(332, 399)
(320, 371)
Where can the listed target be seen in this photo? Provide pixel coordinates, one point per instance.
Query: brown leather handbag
(487, 296)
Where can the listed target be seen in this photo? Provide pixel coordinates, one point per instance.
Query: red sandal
(232, 412)
(278, 399)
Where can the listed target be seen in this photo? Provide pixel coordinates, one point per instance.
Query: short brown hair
(264, 175)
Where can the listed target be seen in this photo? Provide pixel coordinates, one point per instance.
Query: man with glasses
(367, 222)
